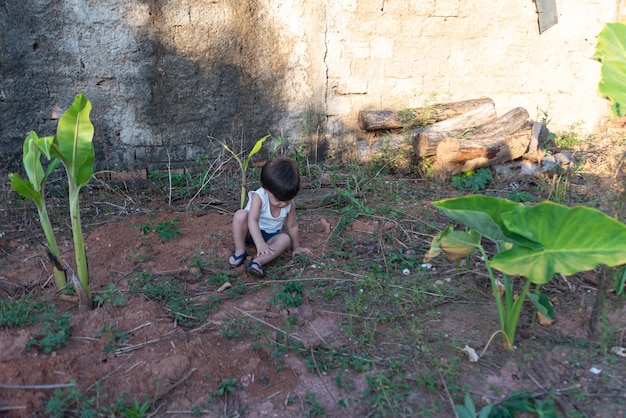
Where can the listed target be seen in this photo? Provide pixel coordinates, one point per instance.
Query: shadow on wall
(205, 81)
(159, 97)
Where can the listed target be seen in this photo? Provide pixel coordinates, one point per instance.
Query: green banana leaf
(484, 215)
(73, 146)
(33, 189)
(25, 189)
(256, 148)
(31, 157)
(573, 239)
(73, 143)
(611, 52)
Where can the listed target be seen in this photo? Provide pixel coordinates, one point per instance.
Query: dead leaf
(225, 286)
(620, 351)
(326, 226)
(500, 287)
(544, 320)
(471, 353)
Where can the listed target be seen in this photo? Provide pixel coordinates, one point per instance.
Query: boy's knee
(241, 216)
(285, 239)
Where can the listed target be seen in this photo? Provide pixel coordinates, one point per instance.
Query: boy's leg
(240, 230)
(279, 244)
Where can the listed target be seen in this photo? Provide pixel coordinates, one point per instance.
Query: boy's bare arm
(253, 226)
(294, 233)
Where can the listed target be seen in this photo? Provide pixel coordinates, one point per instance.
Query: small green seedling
(468, 409)
(243, 164)
(226, 386)
(533, 242)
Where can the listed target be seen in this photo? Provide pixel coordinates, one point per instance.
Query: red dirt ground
(179, 366)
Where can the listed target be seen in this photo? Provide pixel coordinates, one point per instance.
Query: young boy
(260, 223)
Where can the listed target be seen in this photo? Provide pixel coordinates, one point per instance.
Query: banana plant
(73, 147)
(243, 165)
(533, 242)
(33, 189)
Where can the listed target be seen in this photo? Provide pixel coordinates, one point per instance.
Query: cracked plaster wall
(165, 77)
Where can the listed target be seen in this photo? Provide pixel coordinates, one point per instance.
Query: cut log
(457, 155)
(427, 141)
(483, 112)
(366, 150)
(376, 120)
(539, 134)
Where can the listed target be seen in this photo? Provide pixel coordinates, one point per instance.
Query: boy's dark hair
(281, 178)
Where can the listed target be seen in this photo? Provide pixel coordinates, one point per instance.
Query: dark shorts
(266, 237)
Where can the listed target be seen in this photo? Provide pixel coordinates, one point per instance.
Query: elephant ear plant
(532, 242)
(73, 147)
(611, 53)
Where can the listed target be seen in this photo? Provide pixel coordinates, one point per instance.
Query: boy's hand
(300, 250)
(265, 251)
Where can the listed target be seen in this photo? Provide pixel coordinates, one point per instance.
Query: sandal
(239, 259)
(255, 269)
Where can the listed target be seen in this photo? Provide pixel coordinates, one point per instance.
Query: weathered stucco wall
(164, 76)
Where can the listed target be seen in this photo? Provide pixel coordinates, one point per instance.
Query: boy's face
(276, 202)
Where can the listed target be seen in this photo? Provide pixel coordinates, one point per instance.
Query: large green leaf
(611, 52)
(25, 189)
(484, 215)
(73, 142)
(256, 148)
(573, 239)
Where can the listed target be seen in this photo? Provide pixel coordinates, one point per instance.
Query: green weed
(170, 291)
(386, 395)
(226, 386)
(70, 402)
(115, 338)
(513, 405)
(556, 186)
(16, 313)
(111, 296)
(290, 296)
(54, 332)
(472, 180)
(166, 230)
(240, 328)
(138, 258)
(314, 408)
(54, 328)
(570, 139)
(522, 196)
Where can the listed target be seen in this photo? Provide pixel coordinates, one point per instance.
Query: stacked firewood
(461, 136)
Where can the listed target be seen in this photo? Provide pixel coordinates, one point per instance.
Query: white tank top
(267, 222)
